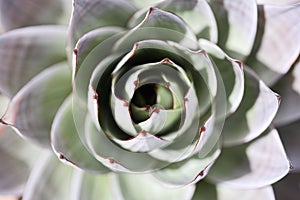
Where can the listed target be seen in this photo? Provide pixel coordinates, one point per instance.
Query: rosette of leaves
(167, 99)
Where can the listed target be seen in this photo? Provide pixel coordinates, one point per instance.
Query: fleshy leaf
(289, 88)
(158, 24)
(136, 187)
(66, 142)
(197, 14)
(290, 137)
(17, 14)
(145, 3)
(278, 37)
(16, 162)
(188, 171)
(205, 191)
(91, 186)
(32, 110)
(25, 52)
(49, 180)
(255, 113)
(237, 28)
(115, 157)
(246, 167)
(91, 14)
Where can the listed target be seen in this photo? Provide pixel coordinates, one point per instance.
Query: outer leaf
(277, 37)
(289, 88)
(159, 25)
(206, 191)
(25, 52)
(277, 2)
(145, 3)
(88, 15)
(49, 180)
(66, 142)
(136, 187)
(16, 162)
(253, 165)
(32, 110)
(236, 27)
(16, 14)
(197, 14)
(255, 113)
(92, 187)
(189, 171)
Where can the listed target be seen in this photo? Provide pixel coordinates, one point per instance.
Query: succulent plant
(133, 99)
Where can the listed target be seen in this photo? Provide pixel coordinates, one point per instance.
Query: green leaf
(253, 165)
(145, 3)
(236, 28)
(25, 52)
(92, 187)
(255, 113)
(209, 191)
(144, 186)
(19, 14)
(157, 24)
(90, 50)
(277, 37)
(67, 144)
(16, 163)
(189, 171)
(191, 11)
(115, 157)
(33, 108)
(50, 179)
(90, 14)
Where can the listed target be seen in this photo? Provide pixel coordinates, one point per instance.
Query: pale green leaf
(253, 165)
(33, 108)
(25, 52)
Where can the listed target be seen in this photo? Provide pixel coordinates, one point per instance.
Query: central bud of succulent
(149, 98)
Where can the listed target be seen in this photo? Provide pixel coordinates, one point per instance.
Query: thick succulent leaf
(231, 71)
(255, 113)
(16, 163)
(67, 144)
(209, 191)
(4, 101)
(90, 50)
(277, 37)
(91, 14)
(290, 136)
(144, 186)
(49, 180)
(188, 171)
(92, 187)
(16, 14)
(277, 2)
(145, 3)
(289, 88)
(252, 165)
(158, 24)
(237, 28)
(117, 158)
(32, 110)
(288, 187)
(197, 14)
(25, 52)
